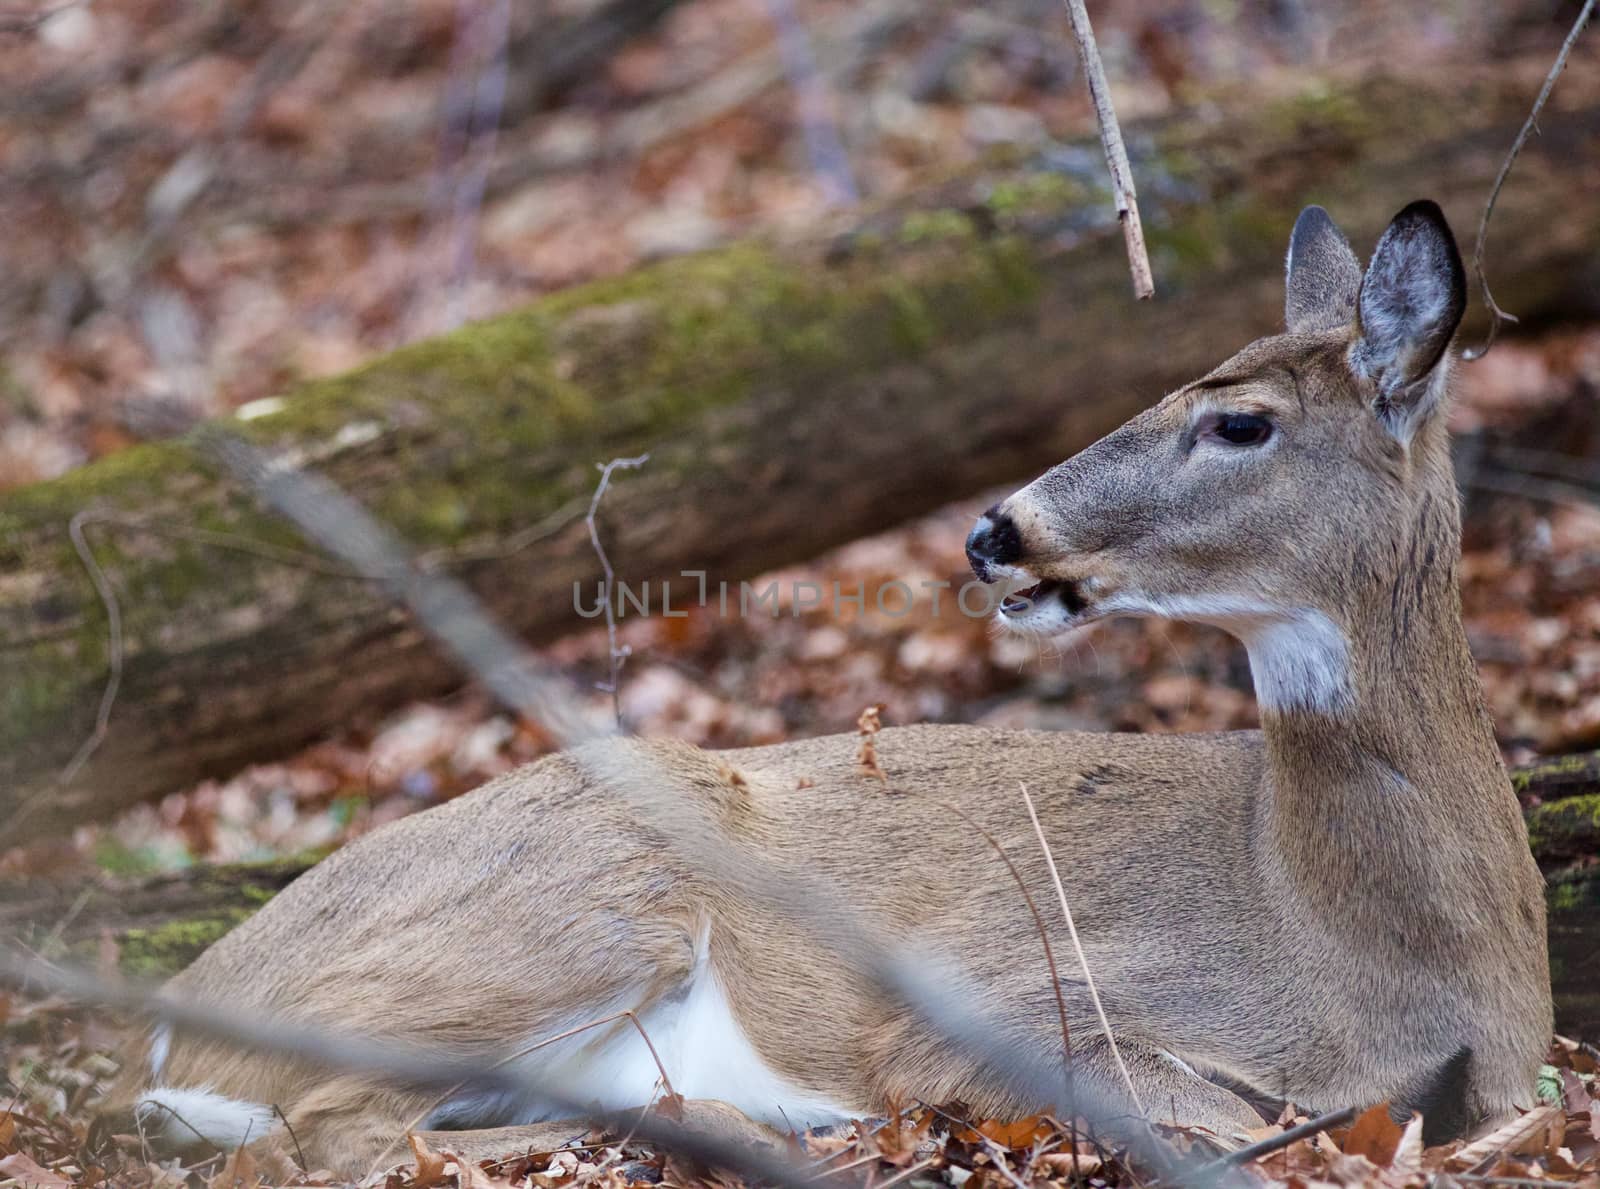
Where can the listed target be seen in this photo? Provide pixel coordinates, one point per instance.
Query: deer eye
(1240, 429)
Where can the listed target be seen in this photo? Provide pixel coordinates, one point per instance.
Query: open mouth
(1021, 600)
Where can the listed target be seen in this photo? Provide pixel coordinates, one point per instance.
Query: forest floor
(216, 211)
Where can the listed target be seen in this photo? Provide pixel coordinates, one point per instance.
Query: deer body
(1339, 909)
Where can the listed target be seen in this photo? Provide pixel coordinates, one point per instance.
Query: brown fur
(1328, 910)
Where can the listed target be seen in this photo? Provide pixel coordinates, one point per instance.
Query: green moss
(1569, 765)
(1319, 112)
(1573, 892)
(936, 225)
(1037, 193)
(151, 953)
(1218, 237)
(1571, 821)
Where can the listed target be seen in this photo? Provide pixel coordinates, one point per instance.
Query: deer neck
(1383, 775)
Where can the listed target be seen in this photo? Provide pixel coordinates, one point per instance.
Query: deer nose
(994, 541)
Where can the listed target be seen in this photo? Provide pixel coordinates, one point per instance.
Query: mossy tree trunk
(792, 398)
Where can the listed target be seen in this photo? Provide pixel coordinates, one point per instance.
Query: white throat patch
(1299, 659)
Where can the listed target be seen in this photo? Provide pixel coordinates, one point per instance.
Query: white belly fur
(704, 1051)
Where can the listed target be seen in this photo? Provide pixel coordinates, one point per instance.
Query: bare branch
(616, 656)
(1300, 1131)
(1144, 286)
(1496, 314)
(1083, 961)
(108, 697)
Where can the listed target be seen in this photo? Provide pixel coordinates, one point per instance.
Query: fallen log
(793, 397)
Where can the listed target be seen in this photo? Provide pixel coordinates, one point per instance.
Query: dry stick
(1144, 286)
(299, 1154)
(108, 696)
(1497, 315)
(616, 657)
(1299, 1131)
(402, 1063)
(1038, 921)
(1083, 961)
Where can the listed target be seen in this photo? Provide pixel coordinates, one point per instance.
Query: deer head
(1276, 497)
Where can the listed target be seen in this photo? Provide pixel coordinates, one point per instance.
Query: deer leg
(1168, 1088)
(704, 1115)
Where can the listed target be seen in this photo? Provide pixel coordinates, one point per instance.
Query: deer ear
(1324, 275)
(1411, 302)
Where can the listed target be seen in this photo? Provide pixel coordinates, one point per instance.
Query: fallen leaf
(1574, 1093)
(26, 1172)
(1407, 1159)
(1067, 1163)
(868, 726)
(430, 1165)
(1374, 1135)
(1015, 1134)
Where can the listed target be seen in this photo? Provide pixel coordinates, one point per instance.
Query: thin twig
(1275, 1143)
(1044, 933)
(1144, 286)
(1083, 961)
(617, 656)
(108, 696)
(1496, 314)
(299, 1155)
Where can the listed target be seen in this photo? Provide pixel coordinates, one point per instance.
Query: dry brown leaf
(23, 1168)
(1374, 1135)
(8, 1133)
(1066, 1163)
(868, 726)
(430, 1165)
(1352, 1170)
(1407, 1159)
(472, 1176)
(1018, 1133)
(239, 1169)
(1574, 1094)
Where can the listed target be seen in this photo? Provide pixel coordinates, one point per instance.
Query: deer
(1337, 909)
